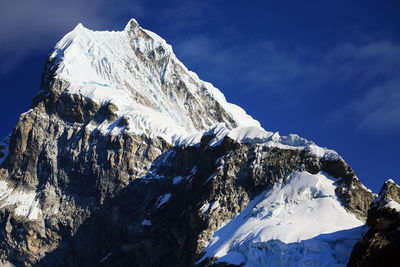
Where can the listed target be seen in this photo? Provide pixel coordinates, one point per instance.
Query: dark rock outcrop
(96, 191)
(380, 245)
(95, 197)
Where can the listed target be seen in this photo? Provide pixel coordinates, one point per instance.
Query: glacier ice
(297, 223)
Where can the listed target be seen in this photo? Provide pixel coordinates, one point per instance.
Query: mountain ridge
(140, 66)
(93, 156)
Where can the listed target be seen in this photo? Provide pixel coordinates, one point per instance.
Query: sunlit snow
(393, 205)
(25, 202)
(302, 214)
(104, 66)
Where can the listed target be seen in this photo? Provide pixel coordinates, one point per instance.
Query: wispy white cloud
(385, 114)
(369, 61)
(27, 26)
(377, 110)
(180, 15)
(375, 69)
(257, 66)
(370, 72)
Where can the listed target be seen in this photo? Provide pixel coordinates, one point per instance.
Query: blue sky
(326, 70)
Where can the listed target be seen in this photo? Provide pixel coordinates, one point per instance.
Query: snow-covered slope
(25, 202)
(297, 223)
(256, 134)
(87, 149)
(137, 71)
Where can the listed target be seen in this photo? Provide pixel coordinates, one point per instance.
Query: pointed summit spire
(132, 25)
(79, 27)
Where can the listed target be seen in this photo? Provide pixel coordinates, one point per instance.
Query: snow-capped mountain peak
(136, 70)
(125, 153)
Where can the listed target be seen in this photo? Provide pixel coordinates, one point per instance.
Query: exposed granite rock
(104, 212)
(70, 169)
(99, 198)
(380, 245)
(203, 109)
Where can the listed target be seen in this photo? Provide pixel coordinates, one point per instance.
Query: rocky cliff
(380, 245)
(127, 158)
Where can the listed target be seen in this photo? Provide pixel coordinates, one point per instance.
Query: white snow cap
(393, 205)
(135, 69)
(390, 181)
(138, 71)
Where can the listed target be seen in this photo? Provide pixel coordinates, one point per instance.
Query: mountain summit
(127, 158)
(138, 72)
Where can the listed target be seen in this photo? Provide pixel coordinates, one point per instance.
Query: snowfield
(104, 66)
(297, 223)
(25, 202)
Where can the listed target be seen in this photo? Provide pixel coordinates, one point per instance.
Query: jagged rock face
(83, 183)
(70, 171)
(79, 170)
(380, 244)
(202, 109)
(389, 191)
(137, 228)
